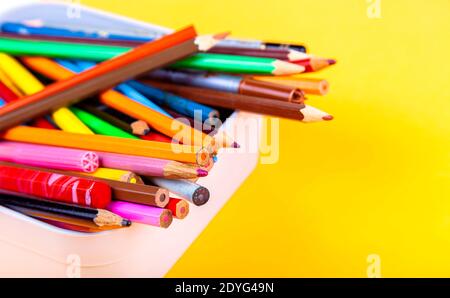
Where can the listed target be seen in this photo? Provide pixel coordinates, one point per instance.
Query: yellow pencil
(116, 175)
(28, 84)
(10, 84)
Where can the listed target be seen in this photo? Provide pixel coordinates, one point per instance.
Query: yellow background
(375, 180)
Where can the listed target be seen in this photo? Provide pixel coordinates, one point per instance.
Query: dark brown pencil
(67, 213)
(121, 191)
(254, 104)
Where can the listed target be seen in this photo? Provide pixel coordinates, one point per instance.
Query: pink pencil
(144, 214)
(50, 157)
(147, 166)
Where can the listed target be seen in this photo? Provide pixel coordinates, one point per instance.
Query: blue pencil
(177, 103)
(79, 66)
(18, 28)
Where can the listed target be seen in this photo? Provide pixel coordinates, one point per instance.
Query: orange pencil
(166, 125)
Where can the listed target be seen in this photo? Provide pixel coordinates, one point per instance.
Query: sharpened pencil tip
(222, 35)
(214, 158)
(331, 61)
(126, 223)
(202, 173)
(235, 145)
(327, 117)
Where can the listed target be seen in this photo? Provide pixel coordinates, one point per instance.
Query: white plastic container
(31, 248)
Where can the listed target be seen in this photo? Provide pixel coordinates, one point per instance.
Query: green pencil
(204, 61)
(100, 126)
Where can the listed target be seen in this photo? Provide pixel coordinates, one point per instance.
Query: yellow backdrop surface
(371, 185)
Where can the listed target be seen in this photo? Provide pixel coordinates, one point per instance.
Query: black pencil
(66, 213)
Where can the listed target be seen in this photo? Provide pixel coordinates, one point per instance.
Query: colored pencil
(183, 153)
(233, 84)
(118, 101)
(7, 94)
(253, 104)
(179, 208)
(29, 85)
(99, 126)
(106, 38)
(122, 121)
(151, 166)
(207, 127)
(188, 190)
(55, 187)
(121, 191)
(238, 64)
(182, 105)
(142, 59)
(10, 84)
(68, 213)
(116, 174)
(126, 89)
(2, 102)
(157, 137)
(42, 122)
(204, 61)
(307, 85)
(147, 215)
(315, 64)
(49, 157)
(274, 53)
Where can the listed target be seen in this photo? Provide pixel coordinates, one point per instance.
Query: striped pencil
(49, 157)
(61, 188)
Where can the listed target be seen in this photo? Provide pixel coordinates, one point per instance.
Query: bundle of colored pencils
(86, 146)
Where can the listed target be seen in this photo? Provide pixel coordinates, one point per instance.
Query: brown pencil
(122, 191)
(254, 104)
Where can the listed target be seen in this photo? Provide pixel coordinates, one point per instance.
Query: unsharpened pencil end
(202, 173)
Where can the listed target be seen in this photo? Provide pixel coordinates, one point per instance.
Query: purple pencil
(50, 157)
(143, 214)
(147, 166)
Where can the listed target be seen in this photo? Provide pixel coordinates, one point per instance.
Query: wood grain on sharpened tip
(184, 153)
(253, 104)
(105, 75)
(307, 85)
(122, 191)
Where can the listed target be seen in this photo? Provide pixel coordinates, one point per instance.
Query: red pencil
(56, 187)
(7, 94)
(315, 64)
